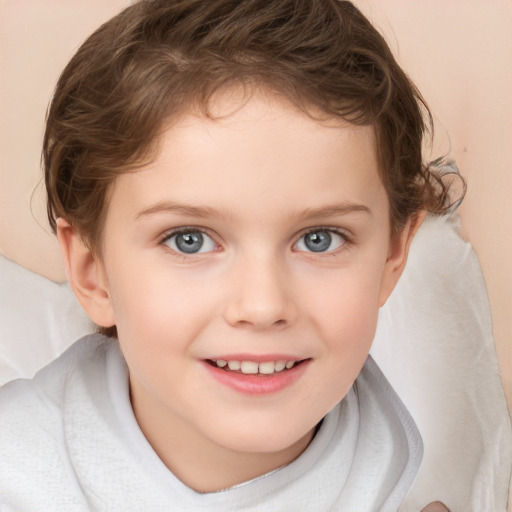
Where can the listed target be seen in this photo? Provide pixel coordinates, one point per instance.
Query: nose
(260, 295)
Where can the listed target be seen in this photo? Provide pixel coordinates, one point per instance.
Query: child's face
(261, 237)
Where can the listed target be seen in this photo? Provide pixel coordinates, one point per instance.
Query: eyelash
(184, 230)
(347, 240)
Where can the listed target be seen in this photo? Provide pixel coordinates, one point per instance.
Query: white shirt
(69, 442)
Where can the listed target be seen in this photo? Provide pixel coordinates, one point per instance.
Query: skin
(254, 181)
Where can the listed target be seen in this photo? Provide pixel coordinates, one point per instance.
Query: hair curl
(160, 58)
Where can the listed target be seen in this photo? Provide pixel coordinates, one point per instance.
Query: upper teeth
(248, 367)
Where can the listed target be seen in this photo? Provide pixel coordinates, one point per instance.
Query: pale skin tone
(261, 185)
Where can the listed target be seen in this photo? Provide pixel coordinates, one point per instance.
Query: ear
(397, 256)
(86, 275)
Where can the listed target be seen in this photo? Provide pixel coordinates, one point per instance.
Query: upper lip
(261, 358)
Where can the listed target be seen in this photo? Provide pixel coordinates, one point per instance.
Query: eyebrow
(205, 212)
(202, 212)
(333, 211)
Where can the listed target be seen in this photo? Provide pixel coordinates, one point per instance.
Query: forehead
(253, 151)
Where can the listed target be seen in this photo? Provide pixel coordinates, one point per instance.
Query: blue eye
(320, 240)
(191, 241)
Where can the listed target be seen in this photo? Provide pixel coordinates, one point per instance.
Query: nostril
(247, 308)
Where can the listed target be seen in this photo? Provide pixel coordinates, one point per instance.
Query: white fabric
(82, 450)
(434, 343)
(39, 319)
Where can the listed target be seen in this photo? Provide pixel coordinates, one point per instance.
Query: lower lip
(257, 384)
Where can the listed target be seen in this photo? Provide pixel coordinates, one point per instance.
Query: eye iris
(318, 241)
(190, 242)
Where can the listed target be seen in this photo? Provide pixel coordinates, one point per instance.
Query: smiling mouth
(254, 368)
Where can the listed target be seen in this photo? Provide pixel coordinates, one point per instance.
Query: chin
(261, 439)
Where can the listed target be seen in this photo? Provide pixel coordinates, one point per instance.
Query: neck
(199, 462)
(219, 469)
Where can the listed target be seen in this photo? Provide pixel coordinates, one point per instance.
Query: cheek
(346, 304)
(158, 307)
(345, 319)
(157, 324)
(345, 313)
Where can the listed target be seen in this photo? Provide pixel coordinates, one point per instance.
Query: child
(234, 186)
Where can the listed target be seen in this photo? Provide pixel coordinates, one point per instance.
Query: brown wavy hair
(159, 58)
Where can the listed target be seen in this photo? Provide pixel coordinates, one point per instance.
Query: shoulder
(33, 417)
(380, 394)
(32, 409)
(26, 404)
(395, 434)
(50, 384)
